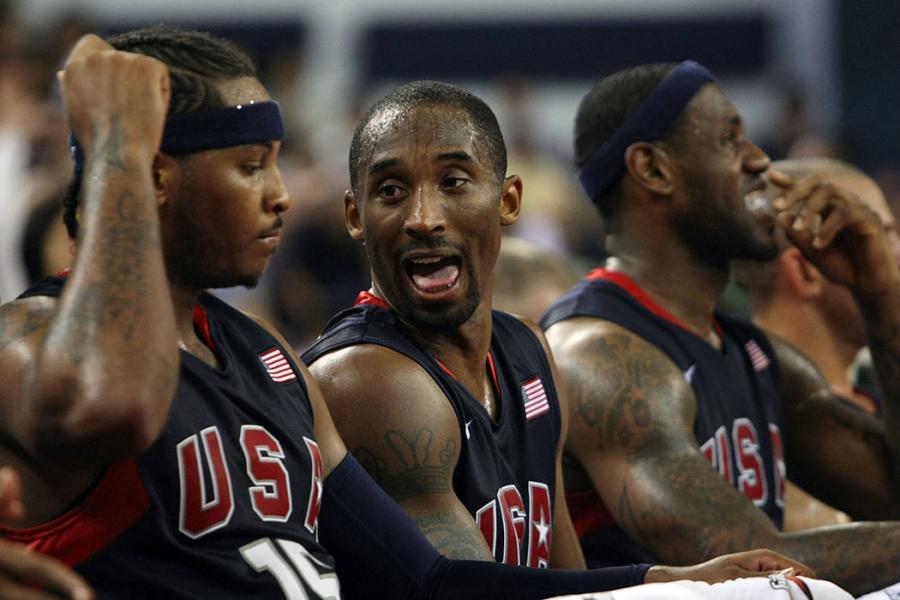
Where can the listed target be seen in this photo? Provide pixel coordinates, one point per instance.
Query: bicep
(632, 430)
(23, 327)
(402, 430)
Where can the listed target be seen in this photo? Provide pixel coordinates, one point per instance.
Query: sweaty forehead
(711, 107)
(396, 132)
(242, 90)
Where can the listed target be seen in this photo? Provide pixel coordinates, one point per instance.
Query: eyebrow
(387, 163)
(383, 164)
(456, 155)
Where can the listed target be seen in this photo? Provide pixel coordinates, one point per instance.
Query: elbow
(75, 426)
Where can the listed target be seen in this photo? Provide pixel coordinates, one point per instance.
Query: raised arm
(632, 430)
(89, 378)
(399, 425)
(835, 451)
(846, 241)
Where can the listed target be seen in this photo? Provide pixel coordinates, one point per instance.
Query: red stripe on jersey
(630, 285)
(201, 323)
(588, 512)
(366, 297)
(112, 507)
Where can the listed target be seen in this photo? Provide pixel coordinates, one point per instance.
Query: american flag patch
(535, 398)
(277, 366)
(757, 356)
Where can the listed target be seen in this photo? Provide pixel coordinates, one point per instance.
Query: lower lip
(437, 297)
(271, 241)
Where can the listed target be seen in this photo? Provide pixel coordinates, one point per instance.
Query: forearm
(860, 557)
(379, 552)
(453, 536)
(110, 356)
(882, 314)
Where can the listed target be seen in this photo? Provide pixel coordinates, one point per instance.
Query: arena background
(812, 77)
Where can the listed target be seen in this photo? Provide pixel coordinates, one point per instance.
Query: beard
(439, 319)
(717, 235)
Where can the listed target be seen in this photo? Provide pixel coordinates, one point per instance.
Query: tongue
(440, 279)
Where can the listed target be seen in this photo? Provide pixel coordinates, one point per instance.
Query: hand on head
(114, 98)
(836, 231)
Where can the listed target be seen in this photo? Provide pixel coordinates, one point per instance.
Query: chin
(440, 319)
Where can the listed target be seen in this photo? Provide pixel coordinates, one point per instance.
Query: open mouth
(434, 274)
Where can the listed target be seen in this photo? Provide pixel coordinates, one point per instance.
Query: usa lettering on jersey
(201, 457)
(740, 447)
(523, 532)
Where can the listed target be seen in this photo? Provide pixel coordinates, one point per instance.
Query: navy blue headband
(221, 128)
(647, 123)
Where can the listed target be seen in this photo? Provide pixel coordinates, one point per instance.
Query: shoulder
(370, 388)
(618, 380)
(23, 326)
(23, 319)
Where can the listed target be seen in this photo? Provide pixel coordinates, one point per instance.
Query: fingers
(87, 45)
(11, 507)
(770, 562)
(813, 212)
(780, 179)
(22, 571)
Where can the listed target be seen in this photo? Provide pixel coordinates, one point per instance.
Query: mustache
(431, 243)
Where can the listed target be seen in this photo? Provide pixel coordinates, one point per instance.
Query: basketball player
(172, 447)
(664, 386)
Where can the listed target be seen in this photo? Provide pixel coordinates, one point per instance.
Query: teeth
(426, 261)
(758, 202)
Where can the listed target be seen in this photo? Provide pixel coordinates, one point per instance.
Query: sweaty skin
(633, 412)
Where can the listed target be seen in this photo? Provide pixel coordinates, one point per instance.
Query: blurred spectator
(528, 278)
(555, 216)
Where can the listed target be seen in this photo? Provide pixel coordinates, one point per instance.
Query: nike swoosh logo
(689, 373)
(468, 435)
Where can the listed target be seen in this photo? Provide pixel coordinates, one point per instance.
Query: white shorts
(774, 587)
(888, 593)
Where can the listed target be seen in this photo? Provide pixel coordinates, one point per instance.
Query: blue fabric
(380, 553)
(220, 128)
(647, 123)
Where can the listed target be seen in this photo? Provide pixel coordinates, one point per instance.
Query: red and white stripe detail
(535, 398)
(277, 366)
(757, 356)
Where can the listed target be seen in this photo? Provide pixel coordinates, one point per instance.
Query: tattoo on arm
(421, 469)
(17, 323)
(109, 143)
(451, 538)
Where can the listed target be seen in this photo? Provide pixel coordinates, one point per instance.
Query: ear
(166, 177)
(352, 216)
(510, 200)
(650, 166)
(804, 279)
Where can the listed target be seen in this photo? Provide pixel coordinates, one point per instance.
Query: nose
(755, 160)
(276, 197)
(425, 216)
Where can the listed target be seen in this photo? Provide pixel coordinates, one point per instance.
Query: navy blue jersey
(225, 503)
(738, 423)
(506, 471)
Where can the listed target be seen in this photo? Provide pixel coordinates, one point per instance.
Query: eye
(391, 191)
(252, 167)
(453, 182)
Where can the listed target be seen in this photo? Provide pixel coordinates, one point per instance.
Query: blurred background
(812, 78)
